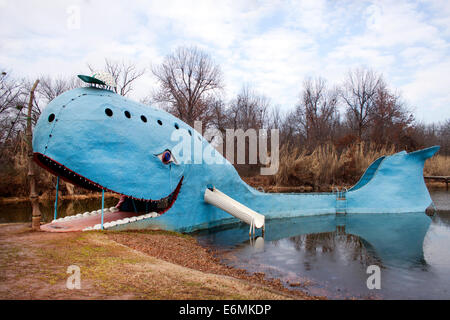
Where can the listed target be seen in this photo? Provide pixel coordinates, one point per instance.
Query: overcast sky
(271, 45)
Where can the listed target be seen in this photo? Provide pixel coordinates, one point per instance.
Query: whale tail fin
(393, 184)
(425, 154)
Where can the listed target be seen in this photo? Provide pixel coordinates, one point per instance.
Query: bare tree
(425, 135)
(219, 116)
(124, 73)
(249, 110)
(12, 101)
(389, 118)
(317, 113)
(289, 130)
(10, 91)
(50, 88)
(444, 137)
(188, 80)
(358, 93)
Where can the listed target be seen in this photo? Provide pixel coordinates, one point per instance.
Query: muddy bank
(122, 265)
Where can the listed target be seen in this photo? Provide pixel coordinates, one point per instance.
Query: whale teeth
(110, 224)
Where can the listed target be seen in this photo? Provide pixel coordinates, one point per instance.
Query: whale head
(99, 140)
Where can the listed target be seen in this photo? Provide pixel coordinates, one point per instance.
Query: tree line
(364, 108)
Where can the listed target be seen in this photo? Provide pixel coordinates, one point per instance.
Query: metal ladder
(341, 200)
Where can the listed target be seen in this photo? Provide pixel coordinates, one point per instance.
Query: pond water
(21, 211)
(324, 255)
(328, 255)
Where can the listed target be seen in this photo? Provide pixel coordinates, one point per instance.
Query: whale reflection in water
(333, 251)
(390, 238)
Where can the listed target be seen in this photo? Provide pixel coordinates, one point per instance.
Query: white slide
(236, 209)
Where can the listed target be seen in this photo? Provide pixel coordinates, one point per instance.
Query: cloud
(272, 45)
(430, 91)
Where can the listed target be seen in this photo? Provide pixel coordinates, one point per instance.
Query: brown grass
(116, 265)
(14, 175)
(325, 167)
(439, 165)
(318, 170)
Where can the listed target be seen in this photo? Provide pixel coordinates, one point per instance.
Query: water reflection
(324, 255)
(21, 211)
(334, 245)
(437, 239)
(390, 238)
(329, 255)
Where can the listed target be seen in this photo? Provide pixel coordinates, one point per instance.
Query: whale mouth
(128, 203)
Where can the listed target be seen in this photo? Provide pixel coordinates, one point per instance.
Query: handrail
(341, 198)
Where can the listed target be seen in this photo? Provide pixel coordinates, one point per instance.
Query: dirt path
(122, 265)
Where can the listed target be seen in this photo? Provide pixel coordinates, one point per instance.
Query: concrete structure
(99, 140)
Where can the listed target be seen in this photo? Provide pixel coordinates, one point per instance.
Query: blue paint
(333, 252)
(395, 238)
(368, 174)
(121, 154)
(103, 205)
(56, 198)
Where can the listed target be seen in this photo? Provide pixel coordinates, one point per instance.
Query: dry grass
(439, 165)
(319, 170)
(116, 265)
(14, 175)
(325, 166)
(14, 172)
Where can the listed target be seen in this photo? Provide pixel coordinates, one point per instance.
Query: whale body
(99, 140)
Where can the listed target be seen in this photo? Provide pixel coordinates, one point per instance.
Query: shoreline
(124, 265)
(267, 188)
(7, 200)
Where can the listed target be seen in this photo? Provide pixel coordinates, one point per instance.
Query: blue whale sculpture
(99, 140)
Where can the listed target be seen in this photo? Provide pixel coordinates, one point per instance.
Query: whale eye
(166, 157)
(51, 117)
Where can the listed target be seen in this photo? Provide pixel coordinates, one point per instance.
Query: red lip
(72, 177)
